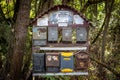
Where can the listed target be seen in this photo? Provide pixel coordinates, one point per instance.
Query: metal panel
(60, 74)
(62, 48)
(39, 42)
(38, 62)
(52, 33)
(67, 34)
(67, 62)
(39, 33)
(81, 34)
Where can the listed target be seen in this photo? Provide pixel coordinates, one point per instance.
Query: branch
(105, 23)
(99, 32)
(115, 72)
(88, 3)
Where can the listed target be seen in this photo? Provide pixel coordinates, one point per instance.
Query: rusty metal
(81, 64)
(81, 61)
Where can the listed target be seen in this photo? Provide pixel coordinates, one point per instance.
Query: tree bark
(108, 8)
(21, 22)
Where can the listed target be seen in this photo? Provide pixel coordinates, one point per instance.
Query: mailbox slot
(52, 34)
(38, 62)
(67, 62)
(39, 42)
(81, 34)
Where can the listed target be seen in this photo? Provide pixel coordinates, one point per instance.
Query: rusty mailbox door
(52, 62)
(81, 61)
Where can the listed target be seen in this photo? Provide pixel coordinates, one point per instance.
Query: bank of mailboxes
(63, 62)
(53, 34)
(81, 61)
(38, 62)
(67, 34)
(81, 34)
(52, 62)
(43, 34)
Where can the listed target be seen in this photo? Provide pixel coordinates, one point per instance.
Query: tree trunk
(21, 22)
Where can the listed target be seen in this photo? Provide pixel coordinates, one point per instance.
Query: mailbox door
(39, 42)
(67, 34)
(39, 32)
(81, 64)
(52, 59)
(67, 62)
(52, 33)
(81, 61)
(38, 62)
(81, 34)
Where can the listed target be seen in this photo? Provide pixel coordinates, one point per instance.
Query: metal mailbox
(38, 62)
(52, 34)
(39, 42)
(67, 62)
(81, 65)
(67, 34)
(81, 61)
(39, 33)
(52, 62)
(81, 34)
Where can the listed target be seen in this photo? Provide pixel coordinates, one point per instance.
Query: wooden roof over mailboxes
(61, 7)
